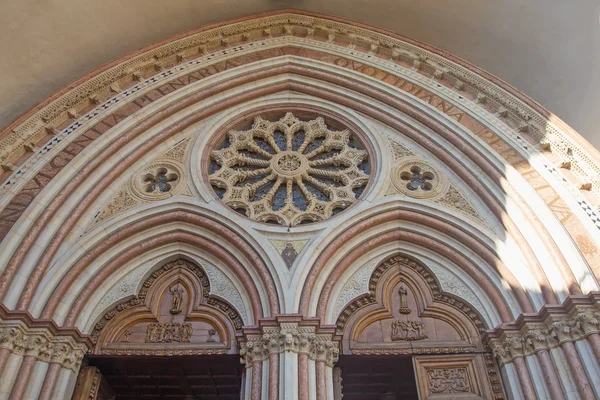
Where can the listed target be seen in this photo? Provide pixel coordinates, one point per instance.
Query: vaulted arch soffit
(79, 167)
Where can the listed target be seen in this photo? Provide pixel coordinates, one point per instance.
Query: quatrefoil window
(289, 171)
(160, 181)
(417, 179)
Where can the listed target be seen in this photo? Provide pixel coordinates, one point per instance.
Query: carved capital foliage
(576, 319)
(292, 337)
(43, 344)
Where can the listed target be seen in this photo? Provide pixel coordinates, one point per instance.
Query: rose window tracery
(289, 171)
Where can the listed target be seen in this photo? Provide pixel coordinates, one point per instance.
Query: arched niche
(406, 314)
(172, 314)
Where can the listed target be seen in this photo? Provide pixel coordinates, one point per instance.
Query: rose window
(289, 171)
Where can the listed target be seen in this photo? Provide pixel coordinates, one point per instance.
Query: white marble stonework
(221, 285)
(452, 284)
(357, 285)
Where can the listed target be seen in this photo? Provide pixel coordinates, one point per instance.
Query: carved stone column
(512, 351)
(294, 342)
(570, 327)
(33, 353)
(535, 343)
(590, 325)
(563, 333)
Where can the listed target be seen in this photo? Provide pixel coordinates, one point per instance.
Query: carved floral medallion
(414, 177)
(289, 171)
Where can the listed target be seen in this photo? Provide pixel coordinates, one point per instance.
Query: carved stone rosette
(289, 171)
(296, 336)
(414, 177)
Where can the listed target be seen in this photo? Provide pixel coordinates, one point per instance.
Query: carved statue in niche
(408, 330)
(403, 299)
(448, 380)
(177, 293)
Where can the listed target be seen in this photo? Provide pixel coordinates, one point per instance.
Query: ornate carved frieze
(408, 330)
(448, 380)
(289, 335)
(575, 319)
(433, 350)
(289, 171)
(169, 332)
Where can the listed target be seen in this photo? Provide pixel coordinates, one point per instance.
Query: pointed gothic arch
(109, 173)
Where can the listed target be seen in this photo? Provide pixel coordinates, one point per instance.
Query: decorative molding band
(414, 351)
(163, 352)
(519, 112)
(289, 333)
(577, 318)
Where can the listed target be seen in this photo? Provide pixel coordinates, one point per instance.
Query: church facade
(294, 206)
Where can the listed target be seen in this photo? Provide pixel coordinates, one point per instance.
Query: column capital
(289, 333)
(24, 335)
(575, 319)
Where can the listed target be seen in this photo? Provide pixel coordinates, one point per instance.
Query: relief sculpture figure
(408, 330)
(177, 293)
(403, 300)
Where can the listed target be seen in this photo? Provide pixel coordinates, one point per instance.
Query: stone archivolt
(289, 171)
(523, 118)
(352, 59)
